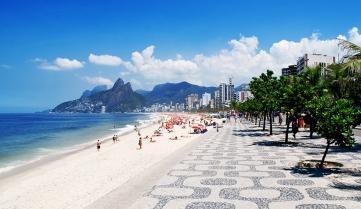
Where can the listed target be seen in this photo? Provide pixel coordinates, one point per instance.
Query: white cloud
(59, 64)
(65, 63)
(135, 84)
(98, 80)
(242, 60)
(108, 60)
(355, 36)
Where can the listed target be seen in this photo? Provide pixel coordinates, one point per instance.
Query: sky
(51, 51)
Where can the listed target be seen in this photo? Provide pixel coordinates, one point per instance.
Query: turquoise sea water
(26, 137)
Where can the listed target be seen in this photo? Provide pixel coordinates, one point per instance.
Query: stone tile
(169, 191)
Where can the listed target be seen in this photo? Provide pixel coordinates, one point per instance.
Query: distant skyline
(51, 51)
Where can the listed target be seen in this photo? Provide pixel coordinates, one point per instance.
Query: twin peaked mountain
(121, 97)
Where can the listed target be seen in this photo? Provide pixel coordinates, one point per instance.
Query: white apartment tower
(314, 60)
(206, 98)
(226, 94)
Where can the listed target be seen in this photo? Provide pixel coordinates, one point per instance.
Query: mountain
(242, 87)
(120, 98)
(95, 90)
(142, 92)
(174, 92)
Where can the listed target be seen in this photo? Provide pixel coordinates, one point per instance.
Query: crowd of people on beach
(197, 124)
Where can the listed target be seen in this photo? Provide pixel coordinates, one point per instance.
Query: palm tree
(338, 81)
(352, 59)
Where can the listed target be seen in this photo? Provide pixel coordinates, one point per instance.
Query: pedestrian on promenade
(280, 119)
(294, 126)
(98, 145)
(301, 122)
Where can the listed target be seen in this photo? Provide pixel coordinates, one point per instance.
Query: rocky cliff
(120, 98)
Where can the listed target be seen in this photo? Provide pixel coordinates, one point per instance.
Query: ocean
(28, 137)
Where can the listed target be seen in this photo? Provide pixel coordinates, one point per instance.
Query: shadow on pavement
(317, 172)
(346, 186)
(251, 134)
(275, 143)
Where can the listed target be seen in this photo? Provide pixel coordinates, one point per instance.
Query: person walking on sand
(114, 139)
(98, 145)
(140, 142)
(217, 127)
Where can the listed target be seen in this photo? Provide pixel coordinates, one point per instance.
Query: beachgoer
(114, 139)
(151, 139)
(217, 127)
(98, 145)
(140, 142)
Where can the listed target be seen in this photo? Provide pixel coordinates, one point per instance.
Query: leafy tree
(315, 86)
(335, 120)
(290, 96)
(234, 105)
(265, 90)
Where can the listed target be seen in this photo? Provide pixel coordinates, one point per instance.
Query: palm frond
(349, 46)
(353, 65)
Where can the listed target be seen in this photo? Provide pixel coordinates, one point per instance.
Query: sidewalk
(239, 168)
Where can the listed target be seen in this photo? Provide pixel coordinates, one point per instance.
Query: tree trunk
(273, 117)
(325, 153)
(287, 127)
(255, 120)
(264, 121)
(270, 123)
(259, 121)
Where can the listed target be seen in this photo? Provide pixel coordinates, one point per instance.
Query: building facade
(206, 98)
(290, 70)
(314, 60)
(225, 94)
(192, 102)
(244, 96)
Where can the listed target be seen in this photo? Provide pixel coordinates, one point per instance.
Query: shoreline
(68, 150)
(80, 177)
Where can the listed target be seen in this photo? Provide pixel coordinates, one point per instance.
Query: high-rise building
(226, 94)
(290, 70)
(314, 60)
(211, 104)
(206, 98)
(217, 99)
(244, 95)
(192, 102)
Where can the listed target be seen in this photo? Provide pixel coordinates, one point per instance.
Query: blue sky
(185, 40)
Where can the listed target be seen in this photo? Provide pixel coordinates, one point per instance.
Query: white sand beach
(80, 178)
